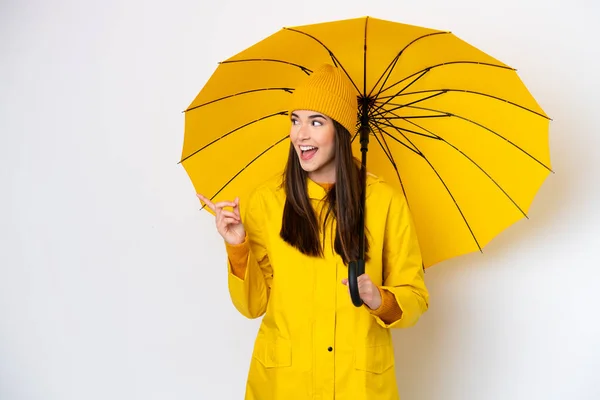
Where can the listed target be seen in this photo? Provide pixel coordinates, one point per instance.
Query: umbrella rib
(232, 131)
(470, 92)
(483, 64)
(442, 114)
(440, 178)
(440, 92)
(389, 154)
(386, 149)
(399, 106)
(393, 63)
(425, 116)
(335, 60)
(417, 151)
(406, 130)
(247, 165)
(384, 121)
(357, 125)
(477, 124)
(287, 90)
(304, 69)
(474, 163)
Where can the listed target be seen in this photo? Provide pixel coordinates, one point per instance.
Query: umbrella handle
(355, 269)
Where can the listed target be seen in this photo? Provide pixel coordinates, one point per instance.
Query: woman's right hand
(229, 223)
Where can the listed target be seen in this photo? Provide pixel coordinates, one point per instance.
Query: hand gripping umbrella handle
(355, 269)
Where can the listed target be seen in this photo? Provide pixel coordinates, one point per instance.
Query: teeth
(306, 148)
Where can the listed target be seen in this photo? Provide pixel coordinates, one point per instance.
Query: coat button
(330, 348)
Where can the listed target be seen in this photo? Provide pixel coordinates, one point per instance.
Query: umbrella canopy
(454, 128)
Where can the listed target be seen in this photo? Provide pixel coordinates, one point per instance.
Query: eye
(317, 123)
(294, 121)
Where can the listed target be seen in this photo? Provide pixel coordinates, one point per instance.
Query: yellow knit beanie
(328, 91)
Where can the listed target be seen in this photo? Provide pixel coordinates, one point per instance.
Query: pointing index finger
(206, 201)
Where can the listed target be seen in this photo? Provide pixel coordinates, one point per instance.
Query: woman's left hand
(368, 292)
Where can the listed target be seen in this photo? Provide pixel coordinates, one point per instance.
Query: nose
(302, 132)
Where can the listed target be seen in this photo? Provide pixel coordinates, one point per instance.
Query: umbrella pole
(357, 268)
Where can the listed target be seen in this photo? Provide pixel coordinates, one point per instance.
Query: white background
(113, 283)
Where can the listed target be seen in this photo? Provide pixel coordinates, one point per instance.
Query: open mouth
(308, 152)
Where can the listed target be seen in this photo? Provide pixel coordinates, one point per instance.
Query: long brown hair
(300, 227)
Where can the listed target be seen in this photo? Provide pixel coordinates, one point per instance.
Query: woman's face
(313, 136)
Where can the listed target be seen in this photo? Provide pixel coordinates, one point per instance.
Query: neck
(323, 175)
(321, 178)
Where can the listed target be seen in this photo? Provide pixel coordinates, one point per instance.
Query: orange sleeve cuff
(389, 310)
(238, 257)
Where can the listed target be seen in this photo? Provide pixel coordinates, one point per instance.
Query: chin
(307, 168)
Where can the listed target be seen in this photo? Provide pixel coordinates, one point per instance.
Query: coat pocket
(273, 353)
(375, 359)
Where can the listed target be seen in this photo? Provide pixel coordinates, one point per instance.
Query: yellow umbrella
(453, 127)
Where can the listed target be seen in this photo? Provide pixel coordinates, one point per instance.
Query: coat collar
(314, 190)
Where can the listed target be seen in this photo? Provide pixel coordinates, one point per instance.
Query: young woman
(288, 256)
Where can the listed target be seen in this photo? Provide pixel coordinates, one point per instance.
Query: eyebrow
(310, 116)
